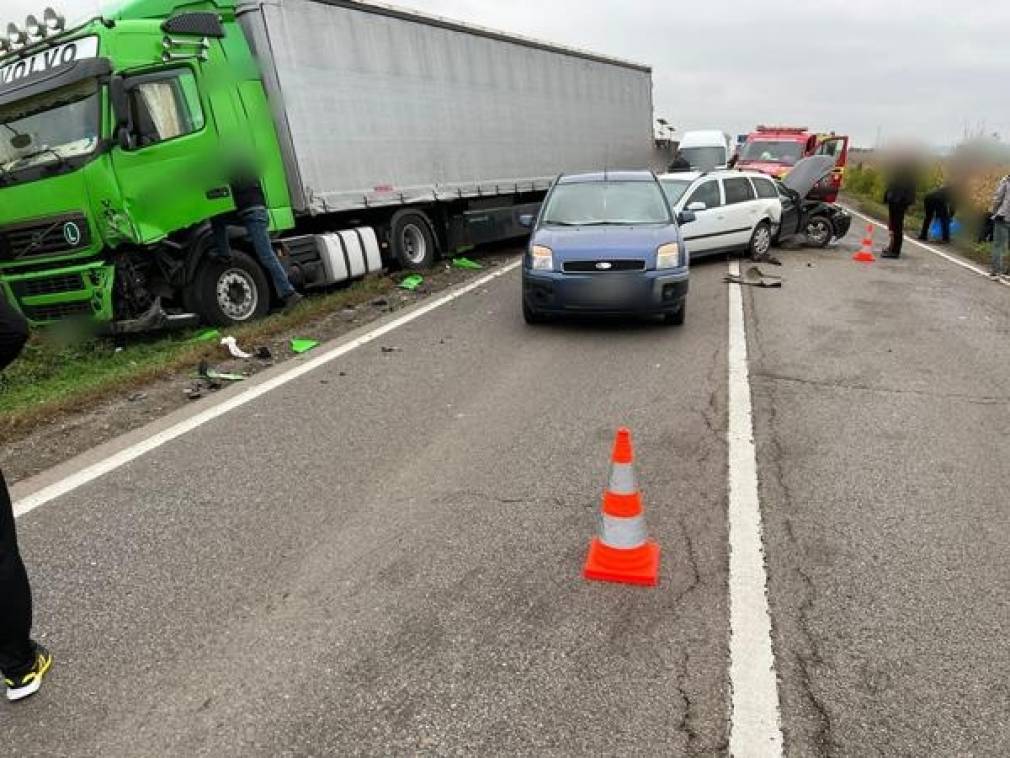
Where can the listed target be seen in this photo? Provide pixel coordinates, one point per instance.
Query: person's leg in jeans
(1000, 238)
(222, 245)
(17, 655)
(257, 223)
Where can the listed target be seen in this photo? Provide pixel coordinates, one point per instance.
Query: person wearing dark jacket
(23, 662)
(900, 194)
(680, 163)
(938, 204)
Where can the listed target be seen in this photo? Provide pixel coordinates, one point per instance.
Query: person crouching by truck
(939, 205)
(251, 213)
(1000, 228)
(898, 196)
(23, 661)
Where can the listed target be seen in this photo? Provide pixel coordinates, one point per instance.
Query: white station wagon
(734, 210)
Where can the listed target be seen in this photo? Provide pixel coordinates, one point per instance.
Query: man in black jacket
(22, 661)
(900, 194)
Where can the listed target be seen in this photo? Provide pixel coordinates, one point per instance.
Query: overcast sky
(921, 68)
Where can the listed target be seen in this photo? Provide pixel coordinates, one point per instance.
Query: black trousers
(936, 208)
(16, 654)
(896, 226)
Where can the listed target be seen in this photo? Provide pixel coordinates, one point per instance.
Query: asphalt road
(382, 557)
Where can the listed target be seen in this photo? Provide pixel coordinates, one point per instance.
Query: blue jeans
(1000, 239)
(256, 221)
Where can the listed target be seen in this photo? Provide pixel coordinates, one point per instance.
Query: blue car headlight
(542, 258)
(668, 256)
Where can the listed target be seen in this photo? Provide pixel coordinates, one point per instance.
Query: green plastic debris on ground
(207, 335)
(412, 282)
(303, 345)
(466, 263)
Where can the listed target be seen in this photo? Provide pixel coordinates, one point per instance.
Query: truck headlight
(543, 258)
(668, 256)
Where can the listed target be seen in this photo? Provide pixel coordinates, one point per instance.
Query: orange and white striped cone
(623, 552)
(865, 253)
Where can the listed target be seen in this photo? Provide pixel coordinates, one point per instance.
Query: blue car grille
(604, 266)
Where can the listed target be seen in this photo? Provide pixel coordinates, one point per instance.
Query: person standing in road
(898, 196)
(23, 662)
(1000, 228)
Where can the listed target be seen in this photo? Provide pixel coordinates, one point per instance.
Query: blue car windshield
(606, 203)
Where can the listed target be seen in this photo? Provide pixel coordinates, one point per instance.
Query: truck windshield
(704, 158)
(50, 128)
(606, 203)
(773, 151)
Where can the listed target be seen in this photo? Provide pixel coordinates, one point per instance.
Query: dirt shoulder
(54, 433)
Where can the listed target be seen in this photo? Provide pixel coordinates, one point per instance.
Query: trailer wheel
(231, 292)
(413, 243)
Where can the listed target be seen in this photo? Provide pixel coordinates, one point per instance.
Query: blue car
(605, 243)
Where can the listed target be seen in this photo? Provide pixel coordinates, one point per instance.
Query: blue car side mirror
(686, 217)
(526, 220)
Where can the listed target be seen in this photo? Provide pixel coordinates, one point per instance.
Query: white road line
(113, 462)
(755, 725)
(915, 241)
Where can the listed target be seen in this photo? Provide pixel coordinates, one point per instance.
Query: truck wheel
(818, 231)
(413, 243)
(231, 292)
(760, 241)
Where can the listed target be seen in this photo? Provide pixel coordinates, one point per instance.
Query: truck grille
(51, 285)
(56, 311)
(57, 234)
(593, 267)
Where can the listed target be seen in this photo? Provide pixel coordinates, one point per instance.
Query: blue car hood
(605, 242)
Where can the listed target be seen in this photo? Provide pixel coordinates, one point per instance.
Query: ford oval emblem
(604, 265)
(72, 233)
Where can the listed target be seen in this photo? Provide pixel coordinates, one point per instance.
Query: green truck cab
(110, 135)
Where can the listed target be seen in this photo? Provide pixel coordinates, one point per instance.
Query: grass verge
(51, 379)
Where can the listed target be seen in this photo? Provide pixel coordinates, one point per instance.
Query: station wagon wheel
(760, 241)
(818, 231)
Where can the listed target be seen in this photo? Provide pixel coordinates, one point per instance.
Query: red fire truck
(776, 149)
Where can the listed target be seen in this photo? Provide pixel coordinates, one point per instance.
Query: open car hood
(807, 172)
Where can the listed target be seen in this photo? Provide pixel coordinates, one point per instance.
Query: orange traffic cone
(865, 254)
(622, 552)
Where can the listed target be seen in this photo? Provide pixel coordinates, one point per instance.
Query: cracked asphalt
(882, 410)
(382, 557)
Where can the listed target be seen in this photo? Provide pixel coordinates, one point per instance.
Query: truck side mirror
(526, 220)
(686, 217)
(123, 121)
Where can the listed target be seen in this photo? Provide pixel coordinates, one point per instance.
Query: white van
(706, 149)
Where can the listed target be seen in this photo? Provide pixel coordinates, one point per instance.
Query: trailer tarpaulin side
(379, 106)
